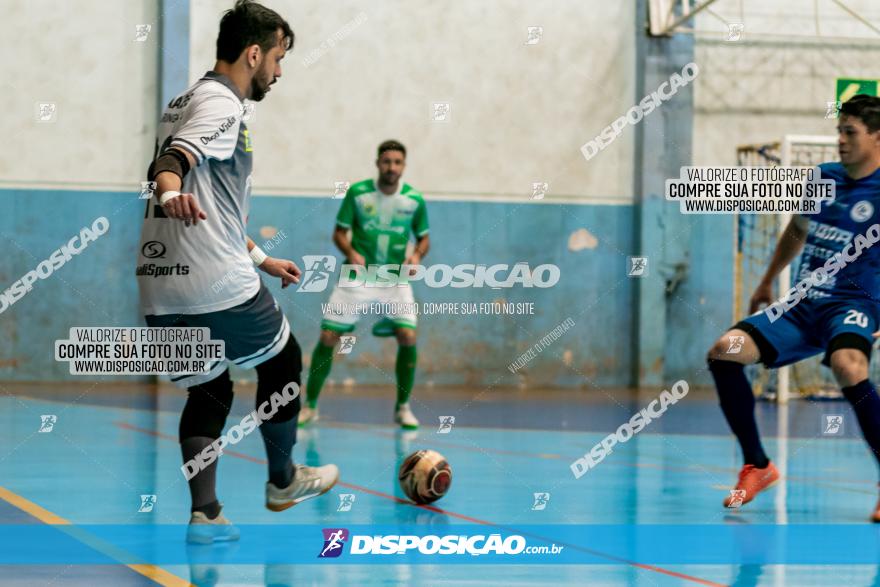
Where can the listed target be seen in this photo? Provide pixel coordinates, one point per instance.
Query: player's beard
(389, 179)
(259, 88)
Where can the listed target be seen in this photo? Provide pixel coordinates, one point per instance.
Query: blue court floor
(110, 444)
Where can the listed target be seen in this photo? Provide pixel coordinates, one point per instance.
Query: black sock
(279, 439)
(212, 510)
(866, 405)
(202, 487)
(738, 405)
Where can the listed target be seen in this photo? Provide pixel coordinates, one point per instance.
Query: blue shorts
(812, 327)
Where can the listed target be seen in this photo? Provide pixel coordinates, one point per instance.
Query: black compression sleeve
(170, 160)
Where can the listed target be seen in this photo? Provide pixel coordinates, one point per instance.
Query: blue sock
(866, 404)
(738, 405)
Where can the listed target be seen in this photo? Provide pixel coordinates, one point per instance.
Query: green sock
(322, 360)
(406, 372)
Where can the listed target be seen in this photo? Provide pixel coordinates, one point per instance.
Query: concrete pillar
(662, 147)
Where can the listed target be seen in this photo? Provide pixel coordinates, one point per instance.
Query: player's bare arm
(287, 270)
(787, 249)
(423, 245)
(168, 182)
(343, 243)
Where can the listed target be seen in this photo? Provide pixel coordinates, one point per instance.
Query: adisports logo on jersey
(318, 268)
(334, 540)
(862, 211)
(153, 250)
(157, 250)
(153, 270)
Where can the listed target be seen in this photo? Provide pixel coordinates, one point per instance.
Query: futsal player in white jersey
(197, 266)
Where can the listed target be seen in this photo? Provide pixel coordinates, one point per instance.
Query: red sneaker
(752, 481)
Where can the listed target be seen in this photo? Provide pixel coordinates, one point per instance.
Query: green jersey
(380, 224)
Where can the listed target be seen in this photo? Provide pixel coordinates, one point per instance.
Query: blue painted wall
(97, 287)
(94, 288)
(700, 309)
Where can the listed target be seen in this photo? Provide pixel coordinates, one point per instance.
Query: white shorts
(347, 305)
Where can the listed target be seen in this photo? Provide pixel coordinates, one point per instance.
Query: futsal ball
(425, 476)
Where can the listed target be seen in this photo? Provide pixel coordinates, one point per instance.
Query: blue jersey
(856, 207)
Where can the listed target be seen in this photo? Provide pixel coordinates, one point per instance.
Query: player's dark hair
(391, 145)
(865, 108)
(248, 23)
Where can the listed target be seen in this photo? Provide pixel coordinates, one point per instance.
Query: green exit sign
(847, 88)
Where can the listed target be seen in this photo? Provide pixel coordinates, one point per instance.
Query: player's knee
(206, 409)
(281, 375)
(735, 346)
(850, 366)
(329, 338)
(406, 336)
(718, 351)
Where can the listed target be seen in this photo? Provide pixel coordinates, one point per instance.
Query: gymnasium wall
(761, 88)
(84, 162)
(103, 87)
(519, 113)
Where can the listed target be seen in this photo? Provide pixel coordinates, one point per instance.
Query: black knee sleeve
(207, 407)
(847, 340)
(276, 373)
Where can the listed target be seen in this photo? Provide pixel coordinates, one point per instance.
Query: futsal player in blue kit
(838, 315)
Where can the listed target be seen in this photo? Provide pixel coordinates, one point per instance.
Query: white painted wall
(82, 56)
(778, 79)
(519, 113)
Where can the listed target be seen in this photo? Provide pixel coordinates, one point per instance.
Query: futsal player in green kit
(381, 214)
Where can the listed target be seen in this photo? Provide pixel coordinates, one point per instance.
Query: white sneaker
(307, 416)
(203, 530)
(405, 417)
(308, 482)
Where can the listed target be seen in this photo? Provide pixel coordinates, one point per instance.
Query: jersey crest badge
(861, 211)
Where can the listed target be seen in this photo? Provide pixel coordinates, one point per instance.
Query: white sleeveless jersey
(204, 268)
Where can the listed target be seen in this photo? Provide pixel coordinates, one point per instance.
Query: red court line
(554, 456)
(820, 481)
(231, 453)
(371, 430)
(455, 515)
